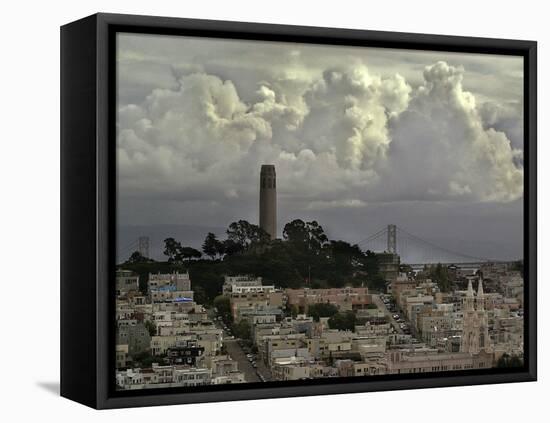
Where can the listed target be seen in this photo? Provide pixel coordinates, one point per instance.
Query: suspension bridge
(412, 249)
(415, 250)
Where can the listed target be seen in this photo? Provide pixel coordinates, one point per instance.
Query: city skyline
(292, 212)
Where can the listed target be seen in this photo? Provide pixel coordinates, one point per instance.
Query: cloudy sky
(360, 137)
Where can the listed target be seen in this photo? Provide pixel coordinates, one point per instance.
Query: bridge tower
(392, 239)
(143, 246)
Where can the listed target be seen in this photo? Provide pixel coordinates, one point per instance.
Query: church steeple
(469, 300)
(475, 332)
(480, 296)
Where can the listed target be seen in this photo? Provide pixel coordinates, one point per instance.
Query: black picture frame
(88, 201)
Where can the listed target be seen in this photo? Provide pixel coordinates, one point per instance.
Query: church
(475, 332)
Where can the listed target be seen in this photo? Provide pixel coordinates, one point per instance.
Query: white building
(244, 284)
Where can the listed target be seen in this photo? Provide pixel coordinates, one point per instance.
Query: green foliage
(507, 361)
(151, 327)
(245, 234)
(322, 310)
(221, 302)
(145, 360)
(212, 247)
(171, 248)
(440, 275)
(377, 283)
(242, 330)
(176, 253)
(343, 321)
(187, 253)
(292, 310)
(136, 257)
(308, 236)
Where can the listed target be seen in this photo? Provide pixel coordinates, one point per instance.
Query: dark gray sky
(360, 137)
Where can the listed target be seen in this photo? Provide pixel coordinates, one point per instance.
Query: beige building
(426, 361)
(121, 356)
(126, 282)
(254, 301)
(347, 298)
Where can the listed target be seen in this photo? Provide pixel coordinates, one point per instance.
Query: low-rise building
(346, 299)
(136, 337)
(179, 281)
(243, 284)
(126, 282)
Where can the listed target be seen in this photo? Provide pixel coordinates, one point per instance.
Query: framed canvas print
(257, 211)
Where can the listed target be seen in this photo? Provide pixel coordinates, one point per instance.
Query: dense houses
(165, 338)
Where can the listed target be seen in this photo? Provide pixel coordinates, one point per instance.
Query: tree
(231, 247)
(343, 321)
(440, 275)
(151, 327)
(322, 310)
(377, 283)
(171, 248)
(370, 263)
(242, 330)
(507, 360)
(345, 254)
(221, 302)
(246, 234)
(187, 253)
(211, 245)
(146, 360)
(309, 236)
(136, 257)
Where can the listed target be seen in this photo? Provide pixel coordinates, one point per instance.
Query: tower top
(268, 168)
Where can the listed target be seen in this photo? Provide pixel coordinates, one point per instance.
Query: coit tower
(268, 200)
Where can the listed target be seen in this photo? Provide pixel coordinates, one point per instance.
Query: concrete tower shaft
(268, 200)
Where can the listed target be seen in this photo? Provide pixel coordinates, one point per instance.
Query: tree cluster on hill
(177, 253)
(304, 257)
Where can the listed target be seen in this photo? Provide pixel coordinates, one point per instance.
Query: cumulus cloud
(200, 139)
(339, 138)
(349, 115)
(505, 117)
(443, 149)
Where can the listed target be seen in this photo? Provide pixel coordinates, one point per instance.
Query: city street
(236, 353)
(381, 306)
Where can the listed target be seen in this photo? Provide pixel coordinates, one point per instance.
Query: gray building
(135, 336)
